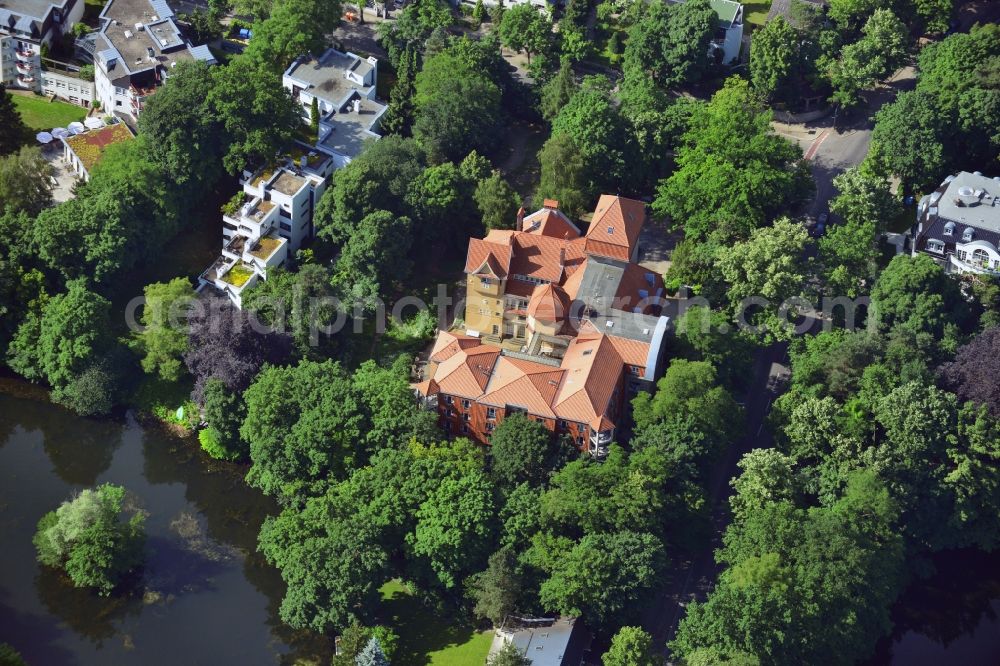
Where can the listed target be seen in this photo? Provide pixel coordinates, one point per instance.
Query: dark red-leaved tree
(229, 345)
(975, 373)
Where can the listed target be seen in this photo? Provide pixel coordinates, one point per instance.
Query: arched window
(981, 258)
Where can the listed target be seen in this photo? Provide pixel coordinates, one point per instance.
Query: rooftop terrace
(325, 76)
(288, 183)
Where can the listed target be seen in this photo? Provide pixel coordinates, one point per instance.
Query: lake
(206, 596)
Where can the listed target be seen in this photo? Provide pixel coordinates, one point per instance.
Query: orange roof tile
(538, 256)
(549, 303)
(467, 372)
(633, 352)
(524, 384)
(448, 344)
(633, 281)
(617, 222)
(593, 368)
(551, 223)
(488, 257)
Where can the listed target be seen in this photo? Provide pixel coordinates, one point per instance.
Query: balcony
(25, 80)
(25, 55)
(24, 67)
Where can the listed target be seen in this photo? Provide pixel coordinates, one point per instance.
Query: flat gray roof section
(979, 207)
(119, 19)
(351, 130)
(325, 76)
(36, 9)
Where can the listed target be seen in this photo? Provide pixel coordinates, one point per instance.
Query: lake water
(205, 596)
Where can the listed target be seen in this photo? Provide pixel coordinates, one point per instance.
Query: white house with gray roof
(24, 26)
(343, 85)
(958, 224)
(137, 47)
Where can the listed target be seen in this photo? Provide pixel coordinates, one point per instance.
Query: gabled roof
(552, 223)
(592, 369)
(487, 257)
(448, 344)
(523, 384)
(614, 231)
(539, 257)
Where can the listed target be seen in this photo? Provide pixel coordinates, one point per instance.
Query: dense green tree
(690, 388)
(294, 27)
(522, 450)
(24, 182)
(300, 303)
(14, 131)
(163, 338)
(185, 128)
(87, 538)
(564, 175)
(412, 27)
(399, 117)
(224, 412)
(768, 265)
(524, 28)
(373, 259)
(973, 375)
(864, 63)
(773, 52)
(601, 135)
(709, 335)
(304, 426)
(838, 566)
(497, 202)
(202, 26)
(729, 147)
(457, 108)
(355, 638)
(67, 336)
(849, 251)
(10, 657)
(333, 565)
(387, 400)
(93, 392)
(496, 591)
(558, 91)
(671, 42)
(603, 576)
(631, 646)
(973, 479)
(454, 530)
(258, 116)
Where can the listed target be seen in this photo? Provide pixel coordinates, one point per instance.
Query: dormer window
(934, 245)
(949, 229)
(968, 234)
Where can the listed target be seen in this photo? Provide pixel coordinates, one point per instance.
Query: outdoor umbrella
(44, 137)
(76, 128)
(94, 123)
(60, 132)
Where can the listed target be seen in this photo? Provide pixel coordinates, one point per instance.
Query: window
(949, 229)
(486, 282)
(562, 424)
(466, 404)
(465, 416)
(496, 329)
(934, 245)
(634, 369)
(981, 258)
(465, 429)
(286, 227)
(489, 426)
(968, 234)
(491, 412)
(447, 400)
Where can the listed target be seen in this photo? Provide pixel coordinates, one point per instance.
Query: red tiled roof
(614, 231)
(485, 256)
(538, 256)
(467, 372)
(633, 281)
(549, 303)
(551, 223)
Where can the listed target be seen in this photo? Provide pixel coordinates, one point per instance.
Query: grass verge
(41, 114)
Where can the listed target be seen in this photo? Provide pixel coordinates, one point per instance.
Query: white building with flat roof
(24, 26)
(545, 641)
(344, 86)
(270, 222)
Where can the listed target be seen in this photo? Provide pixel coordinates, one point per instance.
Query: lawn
(425, 639)
(755, 11)
(41, 114)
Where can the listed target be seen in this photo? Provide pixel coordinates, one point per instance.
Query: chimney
(520, 218)
(551, 203)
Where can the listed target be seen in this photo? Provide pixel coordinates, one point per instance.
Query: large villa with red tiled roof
(560, 325)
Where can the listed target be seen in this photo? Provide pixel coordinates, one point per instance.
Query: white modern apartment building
(135, 50)
(958, 224)
(24, 26)
(343, 85)
(271, 221)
